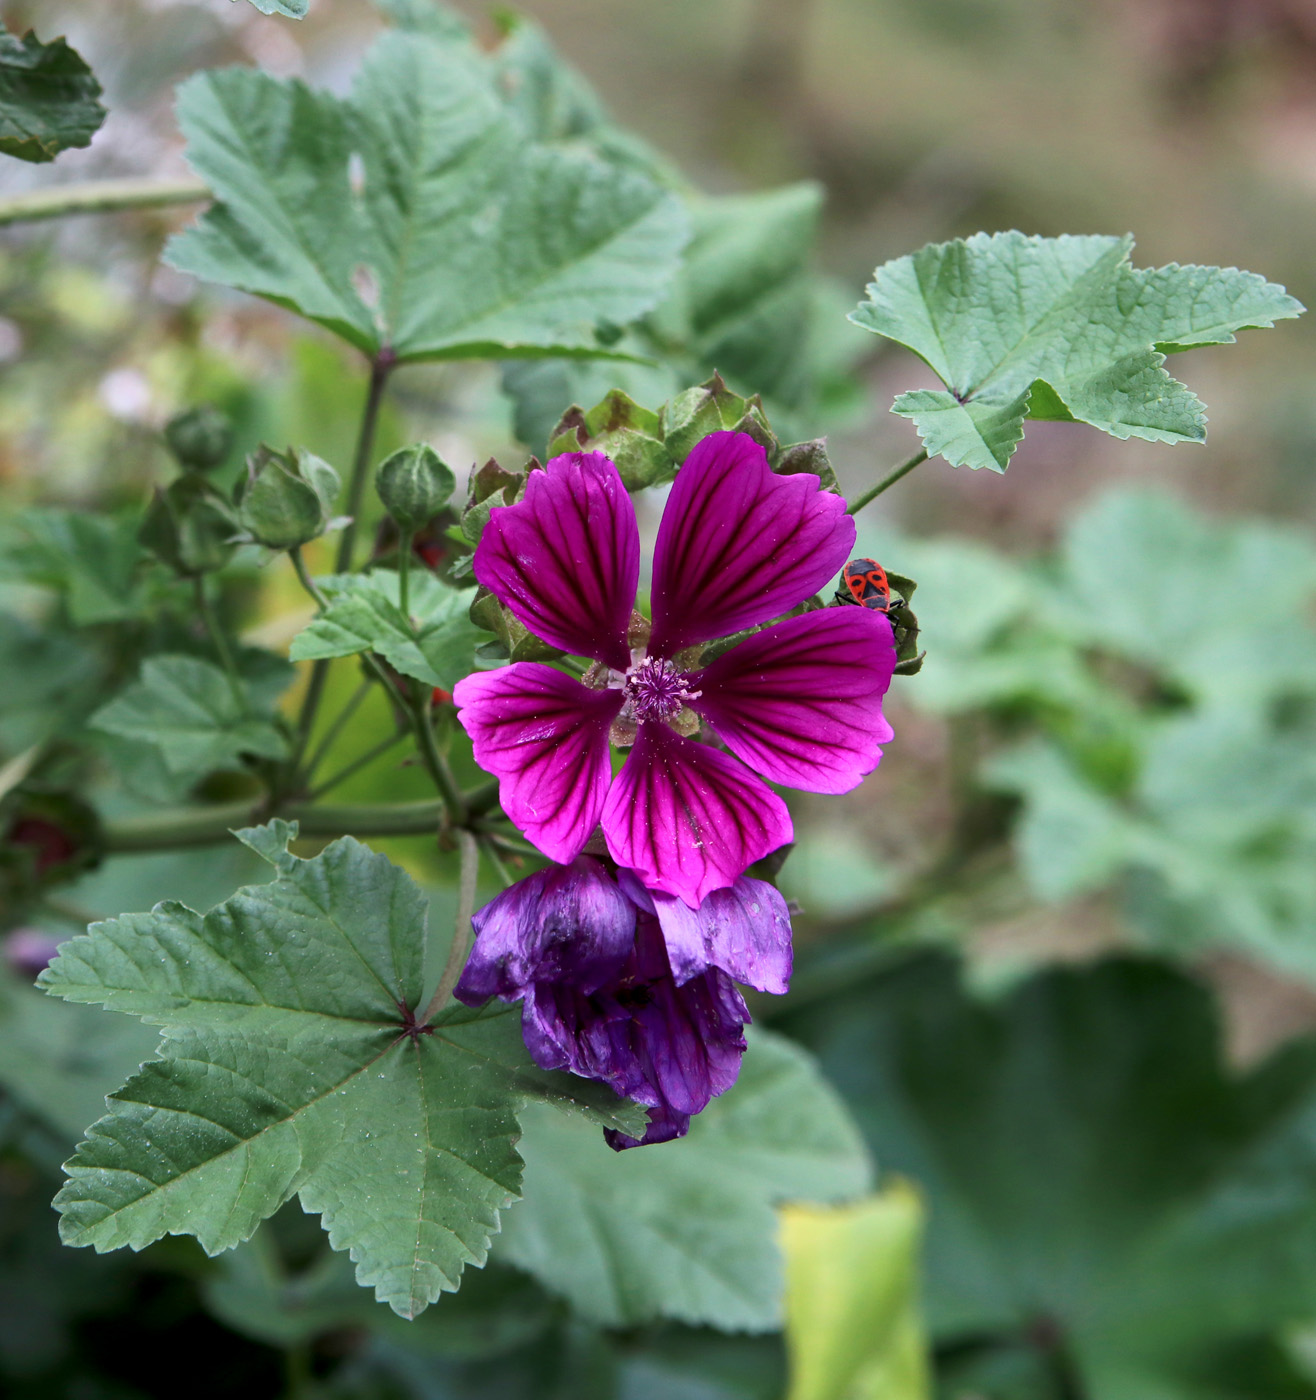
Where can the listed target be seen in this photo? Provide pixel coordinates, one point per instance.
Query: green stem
(367, 758)
(220, 642)
(319, 670)
(461, 933)
(100, 197)
(491, 851)
(437, 765)
(483, 799)
(404, 574)
(380, 368)
(207, 826)
(887, 482)
(336, 728)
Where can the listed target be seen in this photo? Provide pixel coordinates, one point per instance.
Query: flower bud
(414, 484)
(693, 414)
(190, 527)
(200, 438)
(286, 498)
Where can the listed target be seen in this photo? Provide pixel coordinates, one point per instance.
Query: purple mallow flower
(628, 986)
(799, 702)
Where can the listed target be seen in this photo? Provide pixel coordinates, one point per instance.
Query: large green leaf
(1055, 328)
(1112, 1212)
(291, 1066)
(92, 560)
(685, 1230)
(463, 238)
(51, 681)
(186, 709)
(435, 644)
(47, 98)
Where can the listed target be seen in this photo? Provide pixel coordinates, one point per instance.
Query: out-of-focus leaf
(93, 560)
(47, 98)
(290, 1068)
(294, 9)
(363, 615)
(462, 238)
(51, 680)
(1111, 1211)
(1060, 328)
(187, 710)
(61, 1061)
(852, 1322)
(685, 1230)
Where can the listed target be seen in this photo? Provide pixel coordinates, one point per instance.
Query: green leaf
(685, 1230)
(1096, 1176)
(466, 239)
(291, 1066)
(852, 1320)
(51, 682)
(61, 1061)
(363, 615)
(47, 98)
(1062, 328)
(91, 559)
(186, 709)
(294, 9)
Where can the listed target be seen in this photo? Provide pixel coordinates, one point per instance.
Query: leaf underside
(1059, 328)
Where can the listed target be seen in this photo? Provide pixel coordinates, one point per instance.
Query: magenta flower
(799, 702)
(630, 987)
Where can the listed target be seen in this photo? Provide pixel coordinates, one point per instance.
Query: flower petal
(687, 818)
(801, 702)
(566, 559)
(744, 930)
(739, 545)
(545, 737)
(666, 1046)
(564, 923)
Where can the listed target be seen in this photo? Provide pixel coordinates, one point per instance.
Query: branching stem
(365, 759)
(461, 933)
(220, 642)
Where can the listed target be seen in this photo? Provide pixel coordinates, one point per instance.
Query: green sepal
(190, 527)
(285, 499)
(414, 483)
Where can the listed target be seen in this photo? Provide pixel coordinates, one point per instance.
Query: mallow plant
(613, 747)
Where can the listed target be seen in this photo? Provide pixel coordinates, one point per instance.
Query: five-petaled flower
(799, 701)
(628, 986)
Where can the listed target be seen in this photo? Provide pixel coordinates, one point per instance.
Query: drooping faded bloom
(799, 702)
(630, 987)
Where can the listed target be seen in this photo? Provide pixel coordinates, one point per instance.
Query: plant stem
(220, 642)
(100, 197)
(404, 575)
(490, 850)
(887, 482)
(336, 728)
(357, 764)
(319, 670)
(206, 826)
(434, 760)
(461, 933)
(380, 368)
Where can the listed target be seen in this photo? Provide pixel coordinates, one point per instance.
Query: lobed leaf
(436, 644)
(47, 98)
(291, 1065)
(685, 1230)
(1062, 328)
(185, 709)
(418, 214)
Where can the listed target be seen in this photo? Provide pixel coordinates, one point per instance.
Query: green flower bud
(201, 438)
(190, 527)
(286, 498)
(414, 485)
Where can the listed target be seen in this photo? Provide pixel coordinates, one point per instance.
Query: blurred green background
(1111, 749)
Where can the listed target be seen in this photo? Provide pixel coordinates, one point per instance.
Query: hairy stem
(219, 641)
(404, 574)
(100, 197)
(887, 482)
(461, 933)
(423, 722)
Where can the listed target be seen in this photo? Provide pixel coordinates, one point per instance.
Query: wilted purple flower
(630, 987)
(800, 702)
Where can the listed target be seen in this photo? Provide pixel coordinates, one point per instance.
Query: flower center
(656, 690)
